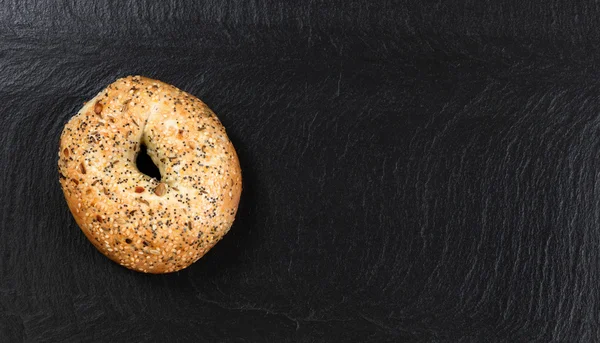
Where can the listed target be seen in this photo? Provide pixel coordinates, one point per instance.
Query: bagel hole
(145, 165)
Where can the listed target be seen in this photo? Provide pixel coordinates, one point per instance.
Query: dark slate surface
(419, 172)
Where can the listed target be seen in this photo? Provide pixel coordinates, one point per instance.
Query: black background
(424, 171)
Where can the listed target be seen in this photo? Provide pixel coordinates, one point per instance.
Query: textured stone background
(424, 171)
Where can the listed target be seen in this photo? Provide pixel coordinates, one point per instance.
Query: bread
(135, 220)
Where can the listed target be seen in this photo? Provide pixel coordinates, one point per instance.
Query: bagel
(140, 222)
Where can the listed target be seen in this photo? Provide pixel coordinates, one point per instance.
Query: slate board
(415, 172)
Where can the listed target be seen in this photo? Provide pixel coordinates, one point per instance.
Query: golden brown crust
(135, 220)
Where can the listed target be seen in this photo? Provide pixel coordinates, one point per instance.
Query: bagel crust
(135, 220)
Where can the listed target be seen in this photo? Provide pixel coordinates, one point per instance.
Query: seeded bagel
(136, 220)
